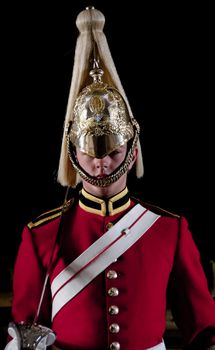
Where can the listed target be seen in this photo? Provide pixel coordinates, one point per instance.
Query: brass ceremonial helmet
(101, 123)
(98, 118)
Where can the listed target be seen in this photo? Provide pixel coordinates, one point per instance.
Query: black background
(164, 56)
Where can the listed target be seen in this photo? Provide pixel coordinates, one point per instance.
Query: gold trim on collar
(116, 198)
(104, 207)
(92, 198)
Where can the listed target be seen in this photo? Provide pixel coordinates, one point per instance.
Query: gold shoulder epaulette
(50, 215)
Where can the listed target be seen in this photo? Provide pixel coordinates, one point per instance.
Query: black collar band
(104, 206)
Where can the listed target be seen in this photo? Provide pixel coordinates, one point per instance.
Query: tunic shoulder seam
(157, 208)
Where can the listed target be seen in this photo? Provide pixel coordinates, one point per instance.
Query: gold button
(113, 292)
(111, 274)
(113, 310)
(115, 345)
(109, 225)
(114, 328)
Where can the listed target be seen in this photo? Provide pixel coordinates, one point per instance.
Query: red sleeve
(28, 280)
(192, 304)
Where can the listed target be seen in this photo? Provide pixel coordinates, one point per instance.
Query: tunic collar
(104, 206)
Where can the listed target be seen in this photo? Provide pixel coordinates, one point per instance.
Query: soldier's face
(101, 168)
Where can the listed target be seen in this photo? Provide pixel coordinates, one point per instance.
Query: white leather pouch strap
(160, 346)
(100, 255)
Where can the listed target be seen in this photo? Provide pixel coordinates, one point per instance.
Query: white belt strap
(100, 255)
(160, 346)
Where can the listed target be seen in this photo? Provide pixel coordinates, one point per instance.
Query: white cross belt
(100, 255)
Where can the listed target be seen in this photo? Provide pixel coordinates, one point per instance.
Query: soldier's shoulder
(50, 215)
(157, 209)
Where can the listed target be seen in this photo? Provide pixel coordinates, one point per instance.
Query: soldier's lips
(101, 176)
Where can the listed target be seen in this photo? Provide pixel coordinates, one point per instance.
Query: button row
(113, 309)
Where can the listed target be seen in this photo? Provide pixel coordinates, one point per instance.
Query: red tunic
(165, 256)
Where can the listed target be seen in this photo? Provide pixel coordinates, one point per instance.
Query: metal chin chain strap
(33, 336)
